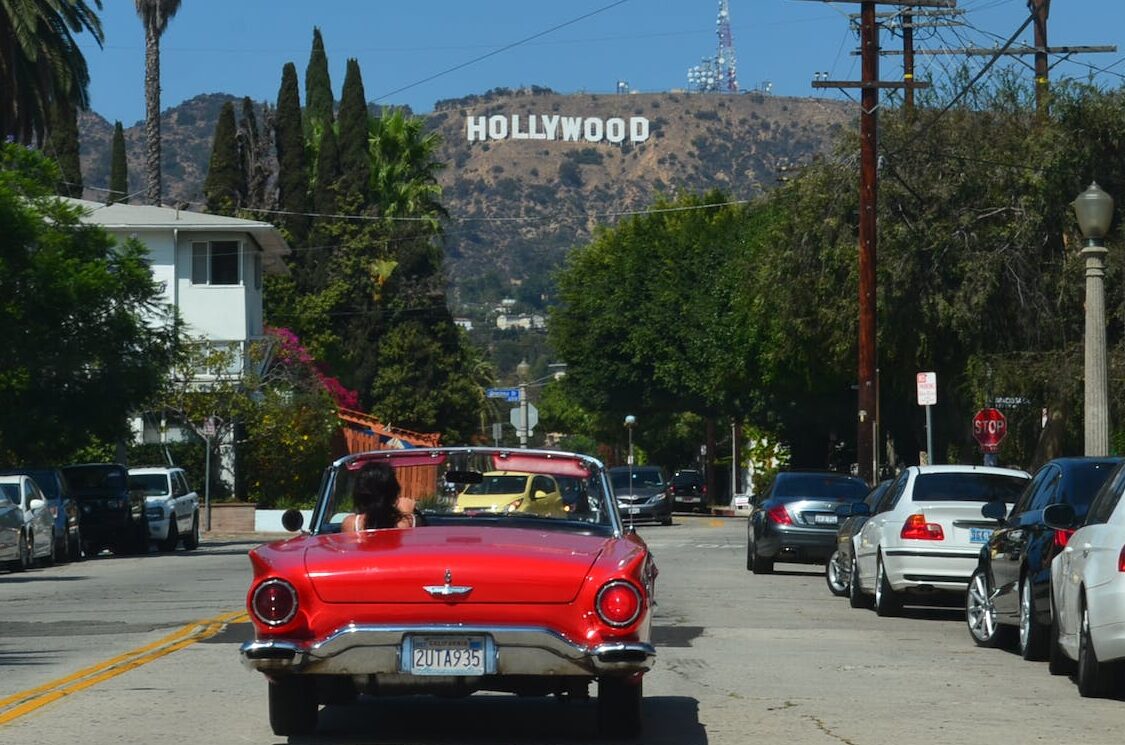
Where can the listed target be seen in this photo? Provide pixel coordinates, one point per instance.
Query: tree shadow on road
(485, 719)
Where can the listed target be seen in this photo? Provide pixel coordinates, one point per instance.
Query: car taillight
(778, 514)
(1061, 538)
(618, 603)
(916, 528)
(274, 602)
(1121, 560)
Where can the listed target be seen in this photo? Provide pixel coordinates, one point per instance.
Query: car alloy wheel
(1093, 676)
(1031, 634)
(1057, 661)
(834, 575)
(856, 598)
(980, 611)
(25, 548)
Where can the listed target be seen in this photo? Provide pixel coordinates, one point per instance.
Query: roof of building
(135, 217)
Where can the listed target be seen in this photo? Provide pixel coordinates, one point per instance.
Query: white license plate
(688, 499)
(979, 535)
(634, 510)
(447, 655)
(824, 519)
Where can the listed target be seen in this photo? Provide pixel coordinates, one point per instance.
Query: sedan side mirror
(1060, 517)
(997, 509)
(851, 509)
(292, 520)
(37, 504)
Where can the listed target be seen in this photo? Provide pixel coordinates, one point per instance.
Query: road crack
(828, 730)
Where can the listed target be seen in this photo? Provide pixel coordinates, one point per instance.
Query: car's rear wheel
(856, 598)
(1033, 637)
(1094, 677)
(1057, 661)
(74, 546)
(191, 540)
(887, 601)
(834, 575)
(169, 543)
(51, 556)
(25, 547)
(293, 705)
(980, 612)
(619, 706)
(754, 562)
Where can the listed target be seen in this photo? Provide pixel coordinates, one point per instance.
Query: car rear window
(93, 480)
(1084, 482)
(820, 486)
(967, 487)
(687, 479)
(499, 485)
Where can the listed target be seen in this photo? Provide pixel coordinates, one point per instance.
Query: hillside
(519, 203)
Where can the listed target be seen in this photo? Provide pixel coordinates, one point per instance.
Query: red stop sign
(989, 427)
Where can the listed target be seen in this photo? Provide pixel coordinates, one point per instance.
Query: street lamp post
(1094, 209)
(630, 422)
(522, 370)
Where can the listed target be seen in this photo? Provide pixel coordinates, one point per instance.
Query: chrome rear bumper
(377, 650)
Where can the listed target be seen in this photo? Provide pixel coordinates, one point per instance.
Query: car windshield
(687, 479)
(481, 486)
(829, 486)
(95, 480)
(643, 478)
(967, 487)
(152, 484)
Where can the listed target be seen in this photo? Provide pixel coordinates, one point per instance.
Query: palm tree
(404, 168)
(154, 14)
(40, 62)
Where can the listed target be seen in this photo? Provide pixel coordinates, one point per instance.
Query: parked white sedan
(1088, 589)
(38, 538)
(926, 532)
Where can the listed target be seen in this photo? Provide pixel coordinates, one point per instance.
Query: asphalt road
(136, 650)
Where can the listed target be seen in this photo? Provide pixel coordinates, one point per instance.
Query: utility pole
(1040, 9)
(868, 202)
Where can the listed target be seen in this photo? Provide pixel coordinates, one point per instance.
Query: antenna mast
(718, 73)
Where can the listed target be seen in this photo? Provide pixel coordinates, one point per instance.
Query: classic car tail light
(778, 514)
(916, 528)
(1061, 538)
(618, 603)
(274, 602)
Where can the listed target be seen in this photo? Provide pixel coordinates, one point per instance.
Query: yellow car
(513, 491)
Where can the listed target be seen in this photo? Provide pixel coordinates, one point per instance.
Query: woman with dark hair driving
(378, 500)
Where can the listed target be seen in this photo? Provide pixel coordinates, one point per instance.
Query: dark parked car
(64, 509)
(646, 497)
(688, 490)
(111, 515)
(838, 570)
(1011, 586)
(795, 518)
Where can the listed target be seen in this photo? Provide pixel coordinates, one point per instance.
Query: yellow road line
(34, 698)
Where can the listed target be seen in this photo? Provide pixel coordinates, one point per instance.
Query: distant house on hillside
(506, 321)
(210, 268)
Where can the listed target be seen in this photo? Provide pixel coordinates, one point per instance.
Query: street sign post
(927, 396)
(989, 428)
(516, 418)
(511, 395)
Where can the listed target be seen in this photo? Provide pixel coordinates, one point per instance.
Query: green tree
(319, 103)
(154, 15)
(224, 187)
(42, 63)
(355, 160)
(119, 168)
(82, 320)
(254, 150)
(292, 171)
(62, 146)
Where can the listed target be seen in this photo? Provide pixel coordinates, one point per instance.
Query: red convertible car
(522, 601)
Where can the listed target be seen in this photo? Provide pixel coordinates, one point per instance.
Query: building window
(215, 263)
(257, 271)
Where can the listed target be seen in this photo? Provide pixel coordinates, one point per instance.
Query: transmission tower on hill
(718, 73)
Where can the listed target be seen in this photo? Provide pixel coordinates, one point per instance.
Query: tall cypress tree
(327, 174)
(253, 149)
(355, 161)
(224, 187)
(62, 147)
(118, 168)
(292, 171)
(318, 86)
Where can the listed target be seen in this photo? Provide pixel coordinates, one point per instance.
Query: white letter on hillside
(498, 127)
(551, 126)
(517, 133)
(594, 130)
(475, 125)
(615, 130)
(572, 128)
(638, 126)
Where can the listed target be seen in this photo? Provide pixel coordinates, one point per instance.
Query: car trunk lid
(397, 566)
(961, 522)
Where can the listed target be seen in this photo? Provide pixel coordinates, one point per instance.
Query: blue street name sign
(508, 394)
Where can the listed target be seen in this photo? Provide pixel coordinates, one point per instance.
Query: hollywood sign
(554, 127)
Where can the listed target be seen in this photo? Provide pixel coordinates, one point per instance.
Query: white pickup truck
(171, 506)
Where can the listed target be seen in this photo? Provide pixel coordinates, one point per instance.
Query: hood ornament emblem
(449, 589)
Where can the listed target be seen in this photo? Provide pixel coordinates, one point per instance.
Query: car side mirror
(997, 509)
(37, 504)
(1060, 517)
(538, 494)
(292, 520)
(850, 509)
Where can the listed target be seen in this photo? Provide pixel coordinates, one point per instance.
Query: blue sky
(239, 46)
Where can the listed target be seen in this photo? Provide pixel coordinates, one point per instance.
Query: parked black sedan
(111, 515)
(1011, 586)
(838, 570)
(795, 518)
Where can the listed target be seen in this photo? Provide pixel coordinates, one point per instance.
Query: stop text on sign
(989, 428)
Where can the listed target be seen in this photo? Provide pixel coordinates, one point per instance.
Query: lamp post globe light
(1094, 209)
(522, 371)
(630, 422)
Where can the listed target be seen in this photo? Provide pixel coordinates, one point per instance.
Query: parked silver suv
(171, 506)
